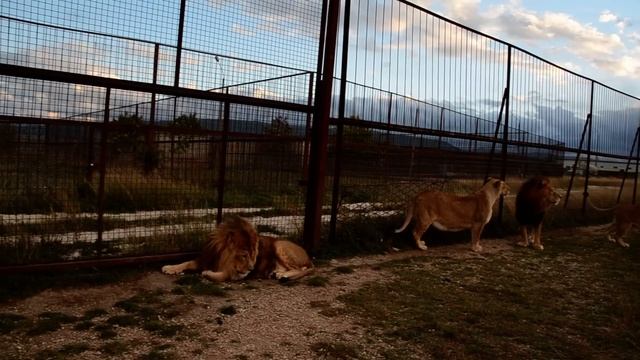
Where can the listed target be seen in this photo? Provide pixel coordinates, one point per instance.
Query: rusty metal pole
(495, 135)
(626, 168)
(176, 79)
(585, 194)
(337, 168)
(505, 134)
(635, 179)
(222, 162)
(307, 134)
(320, 134)
(103, 171)
(575, 163)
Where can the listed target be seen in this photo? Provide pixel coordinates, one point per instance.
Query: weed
(48, 322)
(160, 353)
(228, 310)
(9, 322)
(115, 348)
(336, 350)
(317, 281)
(94, 313)
(344, 270)
(123, 320)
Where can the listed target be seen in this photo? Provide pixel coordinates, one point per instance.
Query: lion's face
(550, 196)
(240, 251)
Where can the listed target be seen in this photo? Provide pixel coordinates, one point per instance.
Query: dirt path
(265, 319)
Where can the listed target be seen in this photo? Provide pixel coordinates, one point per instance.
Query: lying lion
(235, 251)
(450, 212)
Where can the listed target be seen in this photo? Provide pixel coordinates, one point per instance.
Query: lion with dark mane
(235, 251)
(534, 198)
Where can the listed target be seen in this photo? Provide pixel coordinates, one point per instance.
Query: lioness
(236, 251)
(534, 198)
(451, 212)
(626, 217)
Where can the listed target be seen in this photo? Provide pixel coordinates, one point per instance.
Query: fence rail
(123, 139)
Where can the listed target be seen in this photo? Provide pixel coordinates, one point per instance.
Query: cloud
(607, 16)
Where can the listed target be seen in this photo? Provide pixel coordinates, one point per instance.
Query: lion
(534, 198)
(626, 216)
(235, 251)
(451, 212)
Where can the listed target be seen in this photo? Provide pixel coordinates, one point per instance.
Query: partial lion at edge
(236, 251)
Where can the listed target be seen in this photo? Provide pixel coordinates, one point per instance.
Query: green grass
(579, 298)
(115, 348)
(193, 284)
(336, 350)
(228, 310)
(10, 322)
(49, 322)
(344, 270)
(317, 281)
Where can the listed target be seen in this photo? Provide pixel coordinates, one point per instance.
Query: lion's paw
(623, 244)
(171, 270)
(538, 247)
(421, 245)
(522, 243)
(477, 248)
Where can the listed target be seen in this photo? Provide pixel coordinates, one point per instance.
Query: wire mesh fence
(131, 129)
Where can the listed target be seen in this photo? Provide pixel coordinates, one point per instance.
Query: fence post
(307, 134)
(103, 171)
(626, 168)
(635, 179)
(320, 133)
(151, 156)
(495, 135)
(176, 79)
(505, 133)
(585, 194)
(337, 167)
(222, 162)
(575, 163)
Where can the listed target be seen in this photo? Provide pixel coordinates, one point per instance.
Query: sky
(598, 39)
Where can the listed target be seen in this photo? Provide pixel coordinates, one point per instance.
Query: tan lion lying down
(236, 251)
(451, 212)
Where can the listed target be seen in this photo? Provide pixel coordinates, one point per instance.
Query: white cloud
(607, 16)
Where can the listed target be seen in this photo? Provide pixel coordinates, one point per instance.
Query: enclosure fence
(129, 129)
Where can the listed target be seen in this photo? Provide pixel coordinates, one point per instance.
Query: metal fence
(130, 129)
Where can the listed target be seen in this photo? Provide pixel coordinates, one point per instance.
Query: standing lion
(235, 251)
(451, 212)
(534, 198)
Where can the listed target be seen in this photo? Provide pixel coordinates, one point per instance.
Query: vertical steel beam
(626, 168)
(635, 179)
(585, 194)
(222, 162)
(176, 80)
(103, 171)
(320, 134)
(337, 167)
(505, 133)
(495, 135)
(307, 133)
(575, 163)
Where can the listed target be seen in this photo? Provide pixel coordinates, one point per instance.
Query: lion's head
(499, 186)
(536, 196)
(233, 248)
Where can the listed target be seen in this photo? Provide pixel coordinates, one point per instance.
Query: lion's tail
(293, 275)
(599, 208)
(408, 217)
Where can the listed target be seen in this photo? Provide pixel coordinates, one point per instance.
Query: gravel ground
(271, 321)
